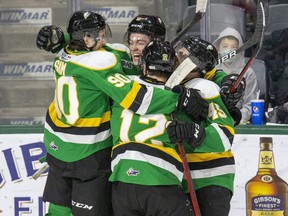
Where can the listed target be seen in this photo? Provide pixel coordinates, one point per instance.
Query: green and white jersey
(212, 163)
(142, 153)
(78, 120)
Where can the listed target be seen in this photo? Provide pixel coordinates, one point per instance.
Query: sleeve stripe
(147, 97)
(130, 97)
(227, 131)
(223, 136)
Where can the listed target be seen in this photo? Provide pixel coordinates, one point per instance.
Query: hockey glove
(236, 115)
(50, 38)
(189, 132)
(282, 114)
(230, 99)
(191, 102)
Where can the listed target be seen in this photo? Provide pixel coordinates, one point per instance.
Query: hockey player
(146, 169)
(211, 164)
(77, 136)
(52, 39)
(141, 30)
(218, 76)
(142, 154)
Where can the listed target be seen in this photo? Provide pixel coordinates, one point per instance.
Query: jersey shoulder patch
(96, 60)
(207, 88)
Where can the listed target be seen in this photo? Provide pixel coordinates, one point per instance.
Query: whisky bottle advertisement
(266, 193)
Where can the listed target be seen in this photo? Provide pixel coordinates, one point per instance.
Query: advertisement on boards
(117, 15)
(20, 194)
(26, 16)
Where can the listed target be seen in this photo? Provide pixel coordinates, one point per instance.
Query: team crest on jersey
(132, 172)
(53, 146)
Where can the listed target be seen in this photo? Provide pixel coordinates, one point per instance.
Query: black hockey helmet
(203, 53)
(82, 22)
(158, 56)
(152, 26)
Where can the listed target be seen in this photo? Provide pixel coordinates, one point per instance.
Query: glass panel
(26, 76)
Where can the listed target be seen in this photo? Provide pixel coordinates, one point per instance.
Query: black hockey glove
(189, 132)
(230, 99)
(191, 102)
(236, 115)
(282, 115)
(50, 38)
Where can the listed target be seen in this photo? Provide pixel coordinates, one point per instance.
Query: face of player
(182, 53)
(90, 40)
(137, 43)
(226, 46)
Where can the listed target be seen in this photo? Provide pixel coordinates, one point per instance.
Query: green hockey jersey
(212, 163)
(78, 120)
(142, 152)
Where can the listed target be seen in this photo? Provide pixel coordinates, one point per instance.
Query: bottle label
(267, 205)
(266, 160)
(266, 178)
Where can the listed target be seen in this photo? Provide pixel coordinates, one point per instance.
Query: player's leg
(166, 200)
(125, 200)
(91, 193)
(214, 200)
(57, 192)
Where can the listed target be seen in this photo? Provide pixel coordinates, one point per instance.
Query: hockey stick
(39, 172)
(201, 6)
(177, 76)
(187, 65)
(259, 28)
(263, 17)
(182, 153)
(188, 176)
(180, 73)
